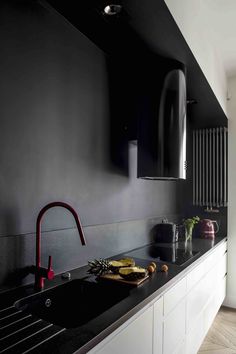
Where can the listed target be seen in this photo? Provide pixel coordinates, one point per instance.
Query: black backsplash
(55, 145)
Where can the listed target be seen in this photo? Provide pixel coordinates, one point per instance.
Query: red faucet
(40, 272)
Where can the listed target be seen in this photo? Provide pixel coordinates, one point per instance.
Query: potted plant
(189, 226)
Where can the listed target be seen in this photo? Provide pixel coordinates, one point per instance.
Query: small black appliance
(165, 232)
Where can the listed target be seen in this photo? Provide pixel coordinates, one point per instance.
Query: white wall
(194, 20)
(192, 17)
(231, 281)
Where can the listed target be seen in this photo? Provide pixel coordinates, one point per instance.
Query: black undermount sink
(73, 304)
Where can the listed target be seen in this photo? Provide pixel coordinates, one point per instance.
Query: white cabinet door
(205, 299)
(136, 338)
(222, 267)
(195, 337)
(196, 299)
(174, 328)
(202, 293)
(181, 348)
(157, 326)
(195, 276)
(173, 296)
(214, 304)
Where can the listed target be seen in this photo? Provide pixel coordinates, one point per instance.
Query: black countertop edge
(80, 340)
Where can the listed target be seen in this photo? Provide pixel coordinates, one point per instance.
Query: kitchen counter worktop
(80, 340)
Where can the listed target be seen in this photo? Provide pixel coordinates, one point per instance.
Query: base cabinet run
(178, 321)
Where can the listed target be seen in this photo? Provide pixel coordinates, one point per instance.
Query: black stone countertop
(81, 339)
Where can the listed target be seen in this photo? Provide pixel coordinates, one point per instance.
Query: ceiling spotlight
(112, 9)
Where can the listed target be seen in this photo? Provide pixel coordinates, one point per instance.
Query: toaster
(165, 232)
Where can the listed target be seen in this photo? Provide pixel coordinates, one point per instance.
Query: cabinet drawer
(220, 251)
(221, 293)
(210, 312)
(194, 276)
(174, 328)
(213, 259)
(222, 267)
(196, 299)
(209, 262)
(174, 295)
(217, 273)
(209, 282)
(214, 304)
(203, 291)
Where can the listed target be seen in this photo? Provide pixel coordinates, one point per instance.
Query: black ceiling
(145, 28)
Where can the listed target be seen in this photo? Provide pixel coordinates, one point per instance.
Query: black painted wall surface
(54, 145)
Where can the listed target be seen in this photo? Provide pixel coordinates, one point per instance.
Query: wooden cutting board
(118, 278)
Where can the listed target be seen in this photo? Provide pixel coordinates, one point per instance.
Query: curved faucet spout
(41, 273)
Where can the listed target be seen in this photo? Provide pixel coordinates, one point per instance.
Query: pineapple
(102, 266)
(99, 267)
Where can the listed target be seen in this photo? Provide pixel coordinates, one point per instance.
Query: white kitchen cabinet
(177, 322)
(214, 304)
(195, 276)
(136, 337)
(174, 328)
(181, 348)
(169, 320)
(158, 326)
(195, 336)
(204, 290)
(205, 299)
(174, 295)
(222, 266)
(196, 299)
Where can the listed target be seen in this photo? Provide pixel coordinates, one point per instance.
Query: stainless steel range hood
(162, 130)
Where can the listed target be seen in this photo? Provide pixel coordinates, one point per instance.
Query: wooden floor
(221, 338)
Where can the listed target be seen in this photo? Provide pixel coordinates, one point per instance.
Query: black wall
(55, 145)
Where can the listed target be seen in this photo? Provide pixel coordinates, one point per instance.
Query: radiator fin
(210, 167)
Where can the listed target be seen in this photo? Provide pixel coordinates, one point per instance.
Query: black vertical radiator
(210, 167)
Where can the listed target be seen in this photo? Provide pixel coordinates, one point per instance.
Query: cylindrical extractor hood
(162, 130)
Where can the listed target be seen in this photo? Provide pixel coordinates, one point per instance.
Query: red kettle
(207, 229)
